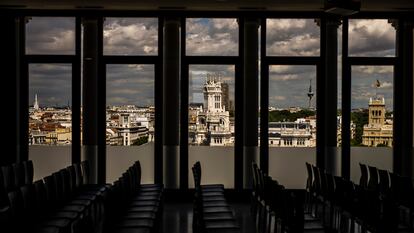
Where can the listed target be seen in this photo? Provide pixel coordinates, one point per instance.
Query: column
(250, 97)
(326, 138)
(171, 113)
(93, 96)
(15, 103)
(403, 100)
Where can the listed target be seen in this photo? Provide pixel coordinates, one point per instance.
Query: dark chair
(363, 181)
(28, 171)
(384, 181)
(19, 176)
(373, 178)
(8, 178)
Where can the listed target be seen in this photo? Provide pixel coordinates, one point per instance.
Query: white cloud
(212, 37)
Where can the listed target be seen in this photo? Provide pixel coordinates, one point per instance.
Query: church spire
(36, 103)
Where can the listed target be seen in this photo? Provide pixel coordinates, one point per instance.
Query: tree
(359, 119)
(286, 116)
(140, 141)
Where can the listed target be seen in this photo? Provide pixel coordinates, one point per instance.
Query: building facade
(210, 124)
(378, 131)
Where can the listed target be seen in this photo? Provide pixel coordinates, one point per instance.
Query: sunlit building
(378, 131)
(210, 125)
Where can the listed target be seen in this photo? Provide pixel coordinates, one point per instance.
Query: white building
(211, 125)
(291, 134)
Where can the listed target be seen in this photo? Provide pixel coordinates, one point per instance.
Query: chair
(384, 181)
(363, 181)
(28, 171)
(8, 178)
(19, 176)
(373, 178)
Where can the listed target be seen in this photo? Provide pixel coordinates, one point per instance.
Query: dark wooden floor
(178, 217)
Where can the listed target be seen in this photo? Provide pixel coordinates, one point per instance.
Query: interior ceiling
(202, 5)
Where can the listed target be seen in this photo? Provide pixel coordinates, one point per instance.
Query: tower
(376, 111)
(212, 94)
(36, 103)
(310, 94)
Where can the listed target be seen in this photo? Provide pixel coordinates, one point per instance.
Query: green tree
(285, 115)
(140, 141)
(359, 119)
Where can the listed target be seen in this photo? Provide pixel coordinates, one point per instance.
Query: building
(378, 131)
(291, 134)
(210, 125)
(124, 130)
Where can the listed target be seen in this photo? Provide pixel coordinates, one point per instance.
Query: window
(206, 36)
(371, 131)
(131, 36)
(130, 118)
(371, 38)
(50, 117)
(211, 124)
(50, 35)
(292, 37)
(292, 104)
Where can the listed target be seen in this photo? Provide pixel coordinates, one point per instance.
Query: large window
(50, 97)
(372, 46)
(211, 97)
(211, 121)
(130, 47)
(50, 116)
(292, 106)
(289, 105)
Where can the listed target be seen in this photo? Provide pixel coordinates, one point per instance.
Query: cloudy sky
(134, 84)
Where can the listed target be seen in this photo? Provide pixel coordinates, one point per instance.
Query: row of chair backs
(387, 183)
(278, 209)
(33, 202)
(14, 176)
(364, 202)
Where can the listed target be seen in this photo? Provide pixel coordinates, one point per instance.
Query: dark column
(93, 95)
(346, 105)
(327, 96)
(16, 116)
(250, 93)
(171, 113)
(403, 100)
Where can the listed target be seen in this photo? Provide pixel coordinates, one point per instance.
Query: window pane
(292, 122)
(372, 118)
(50, 117)
(371, 38)
(50, 35)
(131, 36)
(211, 122)
(212, 37)
(292, 37)
(130, 119)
